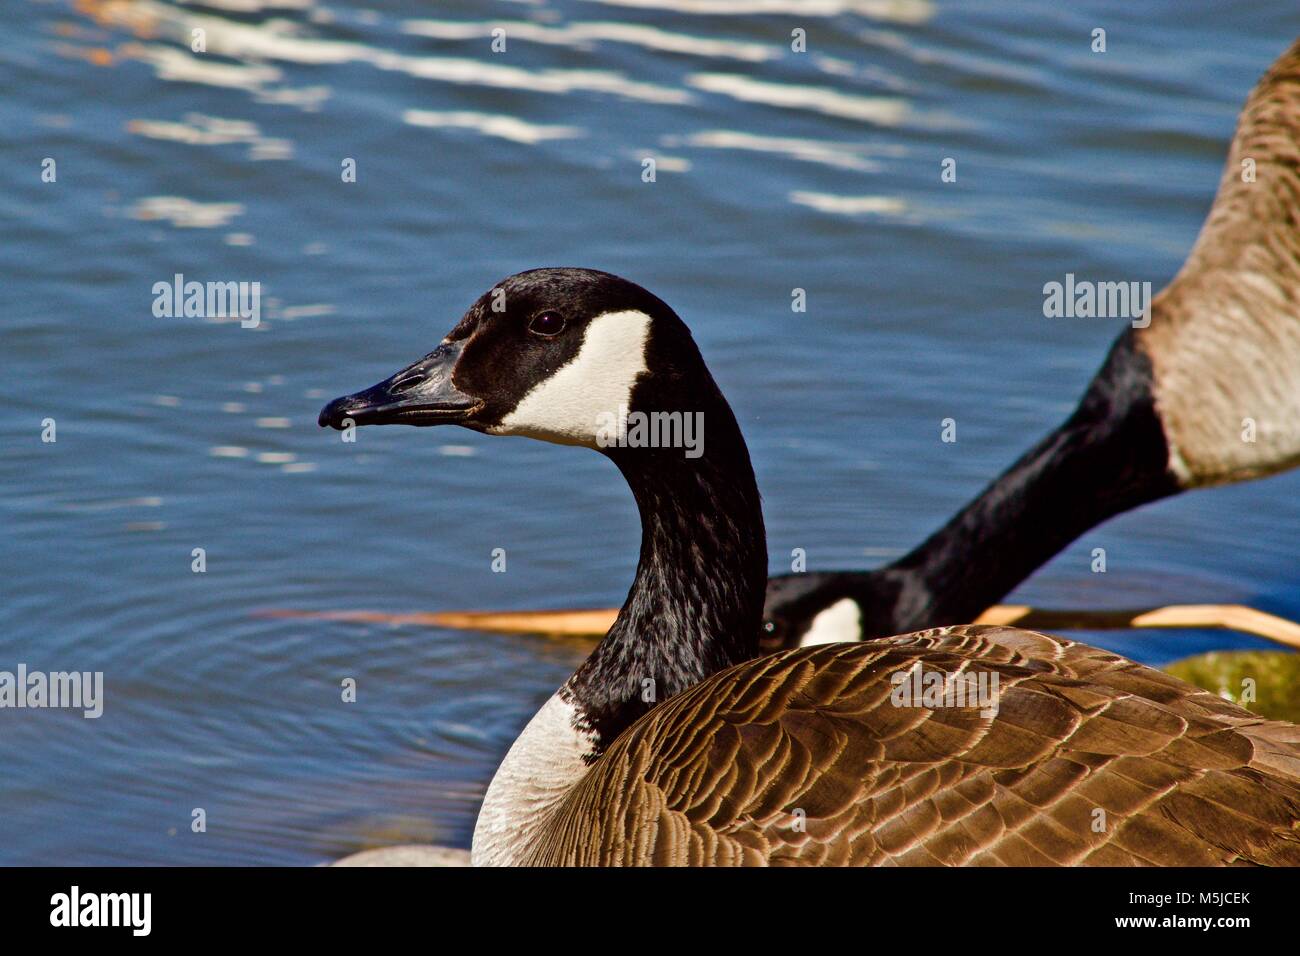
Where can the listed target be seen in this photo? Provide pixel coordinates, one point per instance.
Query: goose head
(830, 607)
(804, 609)
(585, 358)
(560, 354)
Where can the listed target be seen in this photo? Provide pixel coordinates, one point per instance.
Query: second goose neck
(1111, 455)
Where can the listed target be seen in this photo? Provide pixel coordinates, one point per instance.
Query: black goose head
(794, 604)
(819, 607)
(579, 357)
(548, 353)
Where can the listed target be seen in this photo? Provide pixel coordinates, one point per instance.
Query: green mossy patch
(1275, 676)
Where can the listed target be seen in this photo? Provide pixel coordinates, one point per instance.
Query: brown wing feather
(716, 775)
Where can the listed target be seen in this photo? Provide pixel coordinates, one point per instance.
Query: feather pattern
(802, 758)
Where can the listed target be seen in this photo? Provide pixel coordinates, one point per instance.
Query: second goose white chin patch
(840, 622)
(569, 405)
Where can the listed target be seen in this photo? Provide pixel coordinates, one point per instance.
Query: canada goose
(1206, 393)
(1061, 754)
(1173, 407)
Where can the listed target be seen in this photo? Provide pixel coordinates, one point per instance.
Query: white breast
(542, 766)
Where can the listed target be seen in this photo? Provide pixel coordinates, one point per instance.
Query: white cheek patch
(595, 387)
(840, 622)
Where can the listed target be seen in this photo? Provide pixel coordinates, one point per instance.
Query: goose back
(804, 757)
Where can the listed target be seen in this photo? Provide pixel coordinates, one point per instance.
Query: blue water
(924, 302)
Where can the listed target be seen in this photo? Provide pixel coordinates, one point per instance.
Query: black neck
(696, 605)
(1109, 456)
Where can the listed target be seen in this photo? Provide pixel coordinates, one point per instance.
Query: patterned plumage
(1091, 759)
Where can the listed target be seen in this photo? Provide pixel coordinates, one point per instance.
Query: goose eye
(547, 324)
(769, 627)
